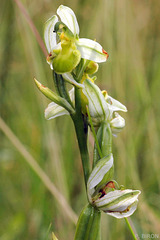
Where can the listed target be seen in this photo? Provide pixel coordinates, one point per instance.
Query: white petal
(49, 35)
(69, 78)
(91, 50)
(132, 209)
(115, 105)
(54, 110)
(68, 17)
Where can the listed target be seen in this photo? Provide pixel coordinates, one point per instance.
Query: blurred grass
(129, 31)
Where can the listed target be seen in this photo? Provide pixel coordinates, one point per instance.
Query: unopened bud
(91, 68)
(117, 123)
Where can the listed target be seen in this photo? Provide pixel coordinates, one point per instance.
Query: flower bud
(117, 123)
(91, 68)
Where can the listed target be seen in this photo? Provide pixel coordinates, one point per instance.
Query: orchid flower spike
(64, 46)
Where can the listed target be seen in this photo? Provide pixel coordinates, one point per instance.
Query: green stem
(81, 128)
(130, 229)
(94, 134)
(81, 125)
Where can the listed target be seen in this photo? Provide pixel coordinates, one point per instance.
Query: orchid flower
(68, 33)
(103, 107)
(117, 203)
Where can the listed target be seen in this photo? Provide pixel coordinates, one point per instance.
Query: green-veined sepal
(91, 50)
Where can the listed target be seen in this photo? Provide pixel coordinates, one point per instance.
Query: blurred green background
(130, 32)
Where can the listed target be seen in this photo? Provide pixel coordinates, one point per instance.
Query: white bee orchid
(88, 49)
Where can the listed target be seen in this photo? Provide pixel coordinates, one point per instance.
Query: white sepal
(98, 173)
(54, 110)
(49, 34)
(68, 17)
(115, 105)
(91, 50)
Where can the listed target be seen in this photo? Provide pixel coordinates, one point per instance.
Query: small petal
(68, 18)
(49, 34)
(91, 50)
(54, 110)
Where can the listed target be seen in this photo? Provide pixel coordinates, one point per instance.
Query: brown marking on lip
(103, 193)
(110, 185)
(107, 55)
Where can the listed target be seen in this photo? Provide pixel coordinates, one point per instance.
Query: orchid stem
(81, 125)
(81, 128)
